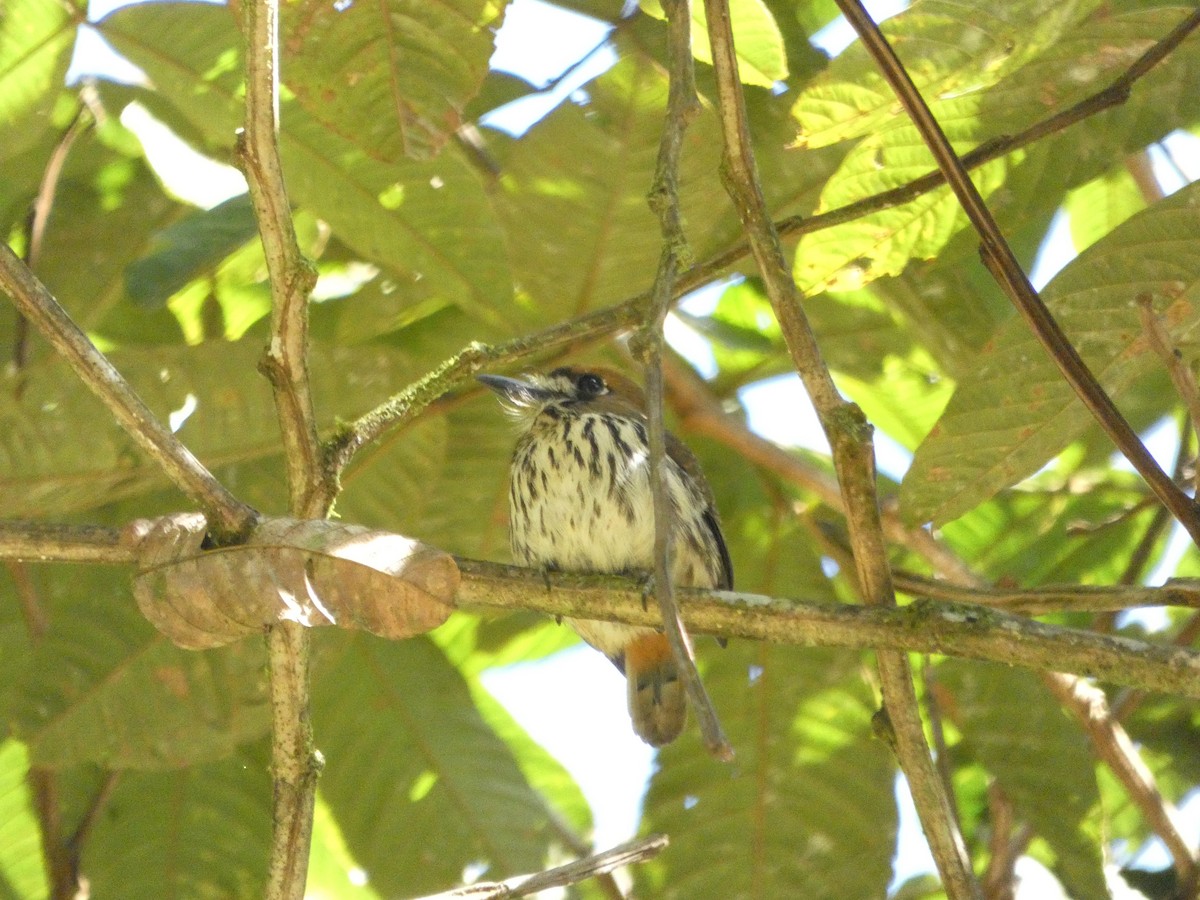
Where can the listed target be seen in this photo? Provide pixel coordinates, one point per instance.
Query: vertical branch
(1006, 270)
(853, 455)
(682, 107)
(295, 764)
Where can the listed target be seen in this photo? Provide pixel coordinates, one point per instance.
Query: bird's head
(592, 388)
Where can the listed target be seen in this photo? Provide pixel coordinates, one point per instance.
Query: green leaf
(1012, 414)
(1041, 760)
(428, 223)
(779, 821)
(1051, 534)
(761, 57)
(21, 870)
(407, 754)
(203, 831)
(883, 243)
(950, 49)
(1099, 206)
(580, 232)
(332, 870)
(36, 39)
(188, 249)
(393, 77)
(104, 687)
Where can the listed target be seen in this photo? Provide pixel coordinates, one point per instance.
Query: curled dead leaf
(314, 572)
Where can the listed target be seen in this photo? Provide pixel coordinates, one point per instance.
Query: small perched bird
(579, 501)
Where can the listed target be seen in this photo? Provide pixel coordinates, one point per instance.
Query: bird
(580, 501)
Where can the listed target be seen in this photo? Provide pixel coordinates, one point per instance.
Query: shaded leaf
(1041, 760)
(104, 687)
(188, 249)
(580, 233)
(778, 821)
(203, 831)
(428, 223)
(310, 572)
(407, 754)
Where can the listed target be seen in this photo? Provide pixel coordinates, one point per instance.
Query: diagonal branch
(854, 458)
(1000, 261)
(38, 305)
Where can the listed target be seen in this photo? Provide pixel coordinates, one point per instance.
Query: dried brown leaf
(312, 572)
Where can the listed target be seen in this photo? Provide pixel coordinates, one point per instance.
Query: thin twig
(295, 763)
(999, 881)
(39, 217)
(1052, 598)
(231, 516)
(630, 852)
(682, 107)
(1181, 374)
(850, 438)
(1114, 747)
(999, 259)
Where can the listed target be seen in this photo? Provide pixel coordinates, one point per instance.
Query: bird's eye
(590, 385)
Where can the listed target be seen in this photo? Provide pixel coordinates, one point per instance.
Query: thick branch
(100, 376)
(1003, 264)
(954, 629)
(924, 626)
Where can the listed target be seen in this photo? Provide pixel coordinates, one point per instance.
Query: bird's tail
(657, 703)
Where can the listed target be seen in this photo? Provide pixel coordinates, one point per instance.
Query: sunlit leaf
(761, 57)
(393, 76)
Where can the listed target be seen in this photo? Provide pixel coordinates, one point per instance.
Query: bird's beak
(522, 393)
